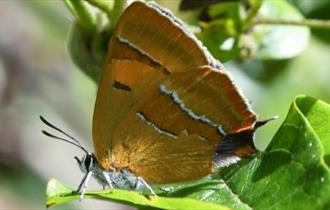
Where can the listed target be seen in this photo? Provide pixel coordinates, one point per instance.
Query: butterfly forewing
(163, 103)
(153, 35)
(119, 91)
(147, 45)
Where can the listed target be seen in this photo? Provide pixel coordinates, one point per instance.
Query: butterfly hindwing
(172, 126)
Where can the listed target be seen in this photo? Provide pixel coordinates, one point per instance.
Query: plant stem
(113, 9)
(70, 7)
(83, 13)
(118, 8)
(104, 5)
(312, 23)
(255, 6)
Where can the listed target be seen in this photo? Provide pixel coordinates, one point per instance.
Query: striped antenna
(71, 139)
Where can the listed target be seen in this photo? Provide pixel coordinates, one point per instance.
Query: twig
(312, 23)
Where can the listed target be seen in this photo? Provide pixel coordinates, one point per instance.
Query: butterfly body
(121, 179)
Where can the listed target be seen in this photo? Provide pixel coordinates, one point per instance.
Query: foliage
(293, 172)
(228, 29)
(250, 40)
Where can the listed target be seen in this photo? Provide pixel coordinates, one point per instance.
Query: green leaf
(212, 189)
(317, 113)
(291, 173)
(57, 193)
(278, 41)
(221, 44)
(220, 34)
(315, 10)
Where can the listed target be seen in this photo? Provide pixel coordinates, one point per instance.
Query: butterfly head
(87, 162)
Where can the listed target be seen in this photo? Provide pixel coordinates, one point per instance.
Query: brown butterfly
(166, 110)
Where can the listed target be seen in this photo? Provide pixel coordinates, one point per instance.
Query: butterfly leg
(141, 180)
(166, 189)
(107, 177)
(83, 184)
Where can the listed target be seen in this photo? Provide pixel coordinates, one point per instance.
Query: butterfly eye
(88, 162)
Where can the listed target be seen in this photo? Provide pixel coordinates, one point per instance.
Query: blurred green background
(37, 77)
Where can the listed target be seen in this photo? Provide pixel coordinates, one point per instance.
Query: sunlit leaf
(279, 41)
(220, 34)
